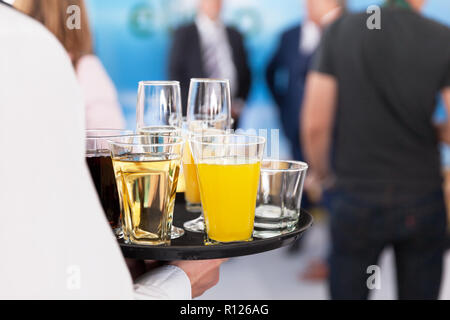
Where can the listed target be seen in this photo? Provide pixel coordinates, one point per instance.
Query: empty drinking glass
(279, 197)
(159, 104)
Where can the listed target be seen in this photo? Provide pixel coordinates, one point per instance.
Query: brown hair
(53, 15)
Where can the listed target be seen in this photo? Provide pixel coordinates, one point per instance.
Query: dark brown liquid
(102, 173)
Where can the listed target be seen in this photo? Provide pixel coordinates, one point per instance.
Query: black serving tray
(192, 246)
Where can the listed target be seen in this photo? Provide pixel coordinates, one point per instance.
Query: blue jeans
(364, 221)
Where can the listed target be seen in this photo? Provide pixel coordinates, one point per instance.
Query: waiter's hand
(203, 274)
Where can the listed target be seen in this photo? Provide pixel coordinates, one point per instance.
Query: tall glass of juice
(228, 168)
(192, 190)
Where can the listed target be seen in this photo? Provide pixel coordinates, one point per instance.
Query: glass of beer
(158, 111)
(228, 168)
(170, 131)
(146, 169)
(98, 159)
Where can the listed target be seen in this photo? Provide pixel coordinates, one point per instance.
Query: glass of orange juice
(192, 190)
(228, 168)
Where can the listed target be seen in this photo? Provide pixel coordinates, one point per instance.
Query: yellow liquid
(192, 191)
(181, 187)
(148, 188)
(228, 190)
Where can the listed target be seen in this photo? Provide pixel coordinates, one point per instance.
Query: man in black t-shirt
(371, 95)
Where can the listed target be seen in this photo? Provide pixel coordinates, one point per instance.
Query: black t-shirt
(388, 81)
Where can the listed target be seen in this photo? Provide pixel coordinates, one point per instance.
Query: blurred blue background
(133, 38)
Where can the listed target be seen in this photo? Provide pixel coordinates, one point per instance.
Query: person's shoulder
(436, 28)
(414, 19)
(292, 30)
(349, 24)
(417, 23)
(89, 61)
(350, 20)
(9, 16)
(89, 68)
(234, 32)
(290, 34)
(16, 24)
(27, 33)
(185, 29)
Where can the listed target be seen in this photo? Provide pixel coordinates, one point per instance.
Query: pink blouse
(100, 96)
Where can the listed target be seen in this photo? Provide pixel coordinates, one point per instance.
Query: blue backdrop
(132, 38)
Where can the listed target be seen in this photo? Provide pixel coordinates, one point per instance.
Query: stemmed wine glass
(159, 105)
(208, 110)
(158, 112)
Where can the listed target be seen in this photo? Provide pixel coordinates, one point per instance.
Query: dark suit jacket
(186, 60)
(286, 75)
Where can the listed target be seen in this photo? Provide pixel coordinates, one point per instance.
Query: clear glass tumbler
(146, 170)
(171, 131)
(279, 197)
(228, 168)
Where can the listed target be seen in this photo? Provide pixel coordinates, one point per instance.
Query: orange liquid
(228, 193)
(191, 192)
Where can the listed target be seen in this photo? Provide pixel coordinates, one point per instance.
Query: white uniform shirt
(54, 238)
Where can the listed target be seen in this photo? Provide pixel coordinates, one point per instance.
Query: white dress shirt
(216, 51)
(312, 33)
(309, 37)
(55, 241)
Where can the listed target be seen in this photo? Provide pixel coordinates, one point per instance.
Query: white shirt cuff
(165, 283)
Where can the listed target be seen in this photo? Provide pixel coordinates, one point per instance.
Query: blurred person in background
(286, 77)
(103, 110)
(37, 82)
(440, 118)
(374, 92)
(287, 70)
(209, 49)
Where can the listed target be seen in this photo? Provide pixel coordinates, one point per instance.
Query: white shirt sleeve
(167, 283)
